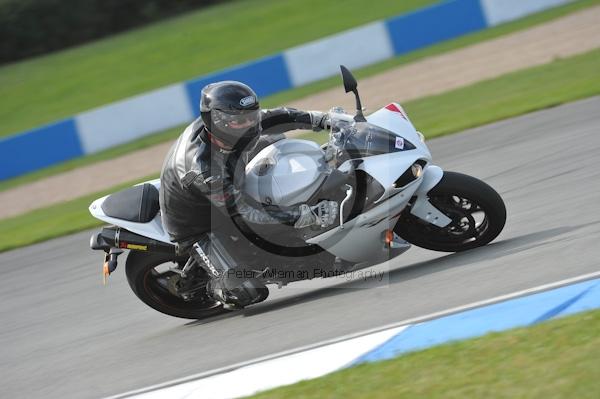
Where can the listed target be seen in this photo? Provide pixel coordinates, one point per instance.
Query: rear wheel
(477, 211)
(153, 282)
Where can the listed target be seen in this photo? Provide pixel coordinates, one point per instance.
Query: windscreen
(350, 139)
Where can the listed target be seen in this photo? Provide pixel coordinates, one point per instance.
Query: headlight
(417, 170)
(411, 174)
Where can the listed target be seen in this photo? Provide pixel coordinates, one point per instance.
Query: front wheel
(477, 211)
(150, 277)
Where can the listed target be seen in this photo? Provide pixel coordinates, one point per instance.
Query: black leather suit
(198, 178)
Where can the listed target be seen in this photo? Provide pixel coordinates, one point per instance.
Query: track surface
(65, 335)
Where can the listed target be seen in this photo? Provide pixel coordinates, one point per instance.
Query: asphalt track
(63, 334)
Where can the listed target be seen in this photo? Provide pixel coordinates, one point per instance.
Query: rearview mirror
(350, 85)
(349, 80)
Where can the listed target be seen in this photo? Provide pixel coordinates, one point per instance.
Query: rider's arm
(280, 120)
(229, 199)
(223, 194)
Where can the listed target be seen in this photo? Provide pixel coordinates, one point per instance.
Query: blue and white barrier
(385, 343)
(134, 117)
(354, 48)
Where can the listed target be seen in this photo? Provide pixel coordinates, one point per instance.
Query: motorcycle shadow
(402, 274)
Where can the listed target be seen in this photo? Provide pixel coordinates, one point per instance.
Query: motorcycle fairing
(393, 118)
(357, 239)
(354, 240)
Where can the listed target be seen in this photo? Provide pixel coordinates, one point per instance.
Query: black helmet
(231, 113)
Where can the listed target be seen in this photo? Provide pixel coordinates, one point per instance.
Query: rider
(204, 170)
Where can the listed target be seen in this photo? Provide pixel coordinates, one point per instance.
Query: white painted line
(382, 329)
(269, 372)
(276, 372)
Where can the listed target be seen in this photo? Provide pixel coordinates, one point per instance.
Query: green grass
(58, 85)
(555, 359)
(513, 94)
(290, 95)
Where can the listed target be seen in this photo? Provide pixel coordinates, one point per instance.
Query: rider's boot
(233, 286)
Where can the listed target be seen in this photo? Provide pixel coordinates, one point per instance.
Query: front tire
(477, 211)
(149, 278)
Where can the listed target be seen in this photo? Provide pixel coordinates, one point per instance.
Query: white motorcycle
(378, 168)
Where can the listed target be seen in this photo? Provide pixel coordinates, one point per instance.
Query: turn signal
(389, 237)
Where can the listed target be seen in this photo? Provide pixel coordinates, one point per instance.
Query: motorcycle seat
(135, 204)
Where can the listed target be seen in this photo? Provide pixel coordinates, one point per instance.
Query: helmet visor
(236, 124)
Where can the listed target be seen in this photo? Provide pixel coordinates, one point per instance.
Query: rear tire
(152, 287)
(477, 211)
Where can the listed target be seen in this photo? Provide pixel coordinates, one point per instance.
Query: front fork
(422, 208)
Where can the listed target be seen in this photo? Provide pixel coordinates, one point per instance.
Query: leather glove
(319, 120)
(323, 214)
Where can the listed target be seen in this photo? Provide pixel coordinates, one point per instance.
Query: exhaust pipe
(116, 237)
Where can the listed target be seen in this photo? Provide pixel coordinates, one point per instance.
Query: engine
(288, 172)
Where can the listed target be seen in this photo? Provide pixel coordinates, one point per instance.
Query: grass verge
(513, 94)
(294, 94)
(61, 84)
(555, 359)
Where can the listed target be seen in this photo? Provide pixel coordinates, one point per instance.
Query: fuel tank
(286, 172)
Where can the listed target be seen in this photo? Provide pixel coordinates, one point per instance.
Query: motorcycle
(379, 170)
